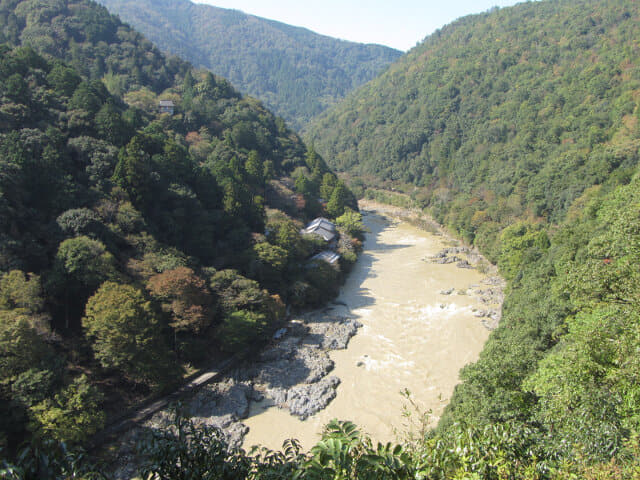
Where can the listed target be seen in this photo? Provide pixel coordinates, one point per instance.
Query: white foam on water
(438, 311)
(397, 361)
(362, 312)
(391, 362)
(410, 240)
(383, 339)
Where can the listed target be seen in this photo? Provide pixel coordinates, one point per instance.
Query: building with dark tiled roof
(166, 106)
(322, 227)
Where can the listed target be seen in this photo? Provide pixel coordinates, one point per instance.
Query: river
(413, 337)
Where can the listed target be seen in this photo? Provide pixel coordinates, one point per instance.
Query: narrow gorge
(415, 310)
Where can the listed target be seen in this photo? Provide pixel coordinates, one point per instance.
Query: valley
(155, 220)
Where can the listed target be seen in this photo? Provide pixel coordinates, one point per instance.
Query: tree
(133, 171)
(85, 98)
(63, 78)
(78, 221)
(81, 265)
(125, 333)
(284, 233)
(176, 163)
(340, 198)
(21, 292)
(85, 262)
(329, 182)
(351, 222)
(304, 186)
(237, 292)
(241, 329)
(73, 415)
(186, 296)
(21, 346)
(267, 263)
(255, 169)
(110, 125)
(17, 89)
(518, 243)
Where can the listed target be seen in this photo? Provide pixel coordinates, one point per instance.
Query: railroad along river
(420, 325)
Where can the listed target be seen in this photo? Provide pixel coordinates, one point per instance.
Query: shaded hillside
(136, 243)
(294, 71)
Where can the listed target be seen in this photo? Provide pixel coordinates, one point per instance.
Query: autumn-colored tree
(185, 296)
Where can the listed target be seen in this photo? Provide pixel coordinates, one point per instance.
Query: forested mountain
(532, 104)
(149, 218)
(519, 129)
(295, 72)
(135, 240)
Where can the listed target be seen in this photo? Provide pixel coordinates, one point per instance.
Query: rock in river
(305, 400)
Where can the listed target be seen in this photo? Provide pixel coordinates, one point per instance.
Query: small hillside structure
(166, 106)
(328, 256)
(322, 227)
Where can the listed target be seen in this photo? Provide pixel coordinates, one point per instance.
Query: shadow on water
(281, 366)
(286, 369)
(359, 297)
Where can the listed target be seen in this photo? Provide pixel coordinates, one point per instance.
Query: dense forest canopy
(295, 72)
(136, 243)
(524, 107)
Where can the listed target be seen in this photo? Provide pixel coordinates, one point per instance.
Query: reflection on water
(412, 337)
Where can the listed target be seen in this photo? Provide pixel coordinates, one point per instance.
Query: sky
(399, 24)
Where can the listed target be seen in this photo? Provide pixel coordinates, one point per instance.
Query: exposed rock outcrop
(305, 400)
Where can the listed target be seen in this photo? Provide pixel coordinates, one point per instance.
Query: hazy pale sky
(396, 23)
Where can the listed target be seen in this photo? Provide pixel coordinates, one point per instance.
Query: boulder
(305, 400)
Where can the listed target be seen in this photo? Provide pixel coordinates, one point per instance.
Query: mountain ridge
(295, 71)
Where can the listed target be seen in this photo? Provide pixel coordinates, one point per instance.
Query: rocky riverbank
(292, 373)
(491, 290)
(490, 293)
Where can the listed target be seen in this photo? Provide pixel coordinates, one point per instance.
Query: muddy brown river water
(413, 337)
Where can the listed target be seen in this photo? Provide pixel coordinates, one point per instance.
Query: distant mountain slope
(532, 103)
(296, 72)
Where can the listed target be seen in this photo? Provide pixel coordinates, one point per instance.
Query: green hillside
(136, 244)
(295, 72)
(528, 105)
(518, 129)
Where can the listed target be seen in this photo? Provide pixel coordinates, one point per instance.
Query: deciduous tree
(125, 333)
